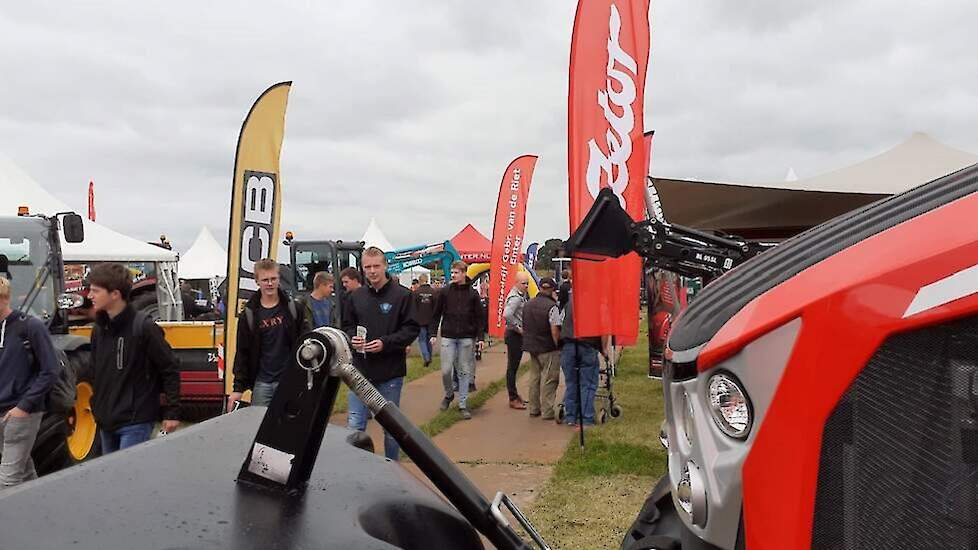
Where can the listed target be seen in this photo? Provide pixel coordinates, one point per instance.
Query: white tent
(777, 210)
(101, 243)
(205, 259)
(913, 162)
(373, 236)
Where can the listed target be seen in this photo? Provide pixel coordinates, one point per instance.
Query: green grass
(415, 370)
(594, 494)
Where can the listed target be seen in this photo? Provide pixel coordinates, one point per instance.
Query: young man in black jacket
(132, 363)
(386, 310)
(25, 382)
(458, 308)
(268, 329)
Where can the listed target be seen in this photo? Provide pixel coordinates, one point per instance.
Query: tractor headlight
(729, 405)
(691, 494)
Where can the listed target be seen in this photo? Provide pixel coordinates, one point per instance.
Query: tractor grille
(899, 459)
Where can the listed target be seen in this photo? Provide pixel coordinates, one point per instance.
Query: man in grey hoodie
(28, 370)
(513, 313)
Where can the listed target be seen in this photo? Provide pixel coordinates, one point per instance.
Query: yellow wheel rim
(82, 436)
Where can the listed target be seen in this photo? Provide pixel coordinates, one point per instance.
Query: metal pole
(580, 404)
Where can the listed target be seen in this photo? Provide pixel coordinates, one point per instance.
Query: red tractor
(825, 393)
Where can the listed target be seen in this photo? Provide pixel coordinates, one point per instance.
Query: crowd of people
(136, 381)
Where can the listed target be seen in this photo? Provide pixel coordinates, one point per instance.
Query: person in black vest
(424, 306)
(386, 310)
(268, 329)
(28, 371)
(541, 331)
(579, 361)
(132, 362)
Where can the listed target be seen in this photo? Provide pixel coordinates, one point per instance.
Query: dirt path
(421, 398)
(500, 449)
(503, 449)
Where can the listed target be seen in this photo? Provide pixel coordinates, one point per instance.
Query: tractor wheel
(615, 411)
(560, 414)
(67, 437)
(146, 302)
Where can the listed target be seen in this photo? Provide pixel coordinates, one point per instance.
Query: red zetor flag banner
(91, 200)
(507, 237)
(608, 60)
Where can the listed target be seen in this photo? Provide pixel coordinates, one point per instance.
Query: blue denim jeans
(424, 343)
(125, 437)
(458, 355)
(586, 357)
(263, 392)
(358, 414)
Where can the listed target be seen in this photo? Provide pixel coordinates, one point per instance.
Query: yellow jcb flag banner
(256, 204)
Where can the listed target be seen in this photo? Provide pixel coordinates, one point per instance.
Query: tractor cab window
(309, 260)
(347, 258)
(22, 259)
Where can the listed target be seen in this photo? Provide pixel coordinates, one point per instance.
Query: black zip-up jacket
(130, 375)
(458, 308)
(247, 353)
(388, 314)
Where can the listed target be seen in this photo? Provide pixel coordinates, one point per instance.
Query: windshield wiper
(39, 281)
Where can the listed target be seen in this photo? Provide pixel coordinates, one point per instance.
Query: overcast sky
(410, 111)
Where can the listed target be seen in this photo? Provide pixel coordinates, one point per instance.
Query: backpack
(61, 396)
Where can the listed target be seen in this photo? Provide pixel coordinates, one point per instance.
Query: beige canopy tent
(782, 209)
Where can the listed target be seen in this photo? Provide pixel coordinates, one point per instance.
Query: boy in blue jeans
(579, 362)
(131, 361)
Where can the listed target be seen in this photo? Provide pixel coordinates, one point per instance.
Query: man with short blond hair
(386, 310)
(28, 370)
(268, 328)
(320, 304)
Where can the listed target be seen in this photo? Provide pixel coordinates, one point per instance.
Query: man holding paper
(386, 310)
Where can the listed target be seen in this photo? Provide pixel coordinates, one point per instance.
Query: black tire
(560, 415)
(51, 452)
(146, 302)
(615, 411)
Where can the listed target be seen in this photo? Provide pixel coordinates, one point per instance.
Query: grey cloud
(410, 111)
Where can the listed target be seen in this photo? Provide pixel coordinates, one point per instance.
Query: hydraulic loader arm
(607, 231)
